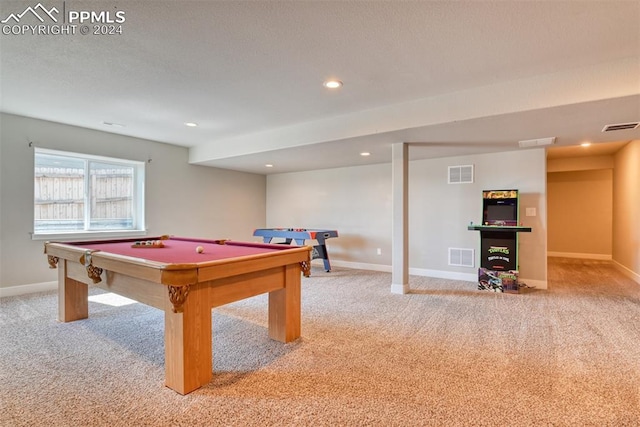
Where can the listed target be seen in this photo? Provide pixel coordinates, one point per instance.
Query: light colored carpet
(444, 355)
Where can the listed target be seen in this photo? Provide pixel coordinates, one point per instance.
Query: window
(76, 193)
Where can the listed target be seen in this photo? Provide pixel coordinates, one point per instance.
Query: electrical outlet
(379, 251)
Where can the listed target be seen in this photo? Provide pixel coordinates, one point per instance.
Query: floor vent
(461, 257)
(461, 174)
(620, 126)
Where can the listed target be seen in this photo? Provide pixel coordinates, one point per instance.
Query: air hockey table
(299, 236)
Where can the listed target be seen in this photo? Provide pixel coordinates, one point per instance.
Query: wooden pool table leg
(284, 307)
(187, 342)
(73, 296)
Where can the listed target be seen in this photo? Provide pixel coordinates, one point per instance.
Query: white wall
(357, 202)
(439, 213)
(611, 214)
(580, 213)
(181, 199)
(582, 163)
(626, 210)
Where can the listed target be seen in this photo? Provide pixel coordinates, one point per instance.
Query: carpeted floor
(444, 355)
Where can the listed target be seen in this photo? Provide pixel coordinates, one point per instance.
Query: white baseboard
(627, 272)
(439, 274)
(12, 291)
(362, 266)
(398, 288)
(600, 257)
(467, 277)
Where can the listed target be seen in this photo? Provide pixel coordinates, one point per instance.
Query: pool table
(174, 277)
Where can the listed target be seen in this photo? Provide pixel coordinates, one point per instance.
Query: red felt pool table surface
(181, 250)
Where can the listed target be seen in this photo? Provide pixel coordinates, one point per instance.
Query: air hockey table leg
(320, 251)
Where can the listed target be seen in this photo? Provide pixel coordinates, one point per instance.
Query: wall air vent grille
(620, 126)
(460, 174)
(461, 257)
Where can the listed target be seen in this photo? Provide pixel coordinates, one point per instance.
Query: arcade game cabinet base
(498, 281)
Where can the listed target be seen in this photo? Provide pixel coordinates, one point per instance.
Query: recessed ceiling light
(332, 84)
(585, 144)
(191, 124)
(365, 154)
(268, 165)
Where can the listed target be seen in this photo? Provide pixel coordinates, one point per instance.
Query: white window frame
(138, 201)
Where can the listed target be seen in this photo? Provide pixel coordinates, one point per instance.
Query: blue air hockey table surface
(299, 235)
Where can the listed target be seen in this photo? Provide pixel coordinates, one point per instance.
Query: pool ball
(199, 249)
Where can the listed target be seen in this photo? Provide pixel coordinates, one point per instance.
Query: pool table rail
(174, 274)
(177, 277)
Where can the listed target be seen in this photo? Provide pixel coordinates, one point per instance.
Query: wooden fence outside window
(60, 194)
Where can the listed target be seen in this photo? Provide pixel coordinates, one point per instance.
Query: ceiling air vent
(537, 142)
(620, 126)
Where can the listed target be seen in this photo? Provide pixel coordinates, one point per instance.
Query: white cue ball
(199, 249)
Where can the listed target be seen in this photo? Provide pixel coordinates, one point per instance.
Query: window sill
(83, 235)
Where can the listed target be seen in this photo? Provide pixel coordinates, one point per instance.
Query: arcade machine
(499, 230)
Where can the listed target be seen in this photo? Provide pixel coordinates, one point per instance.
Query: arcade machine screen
(500, 207)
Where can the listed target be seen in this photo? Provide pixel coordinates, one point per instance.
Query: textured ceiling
(250, 74)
